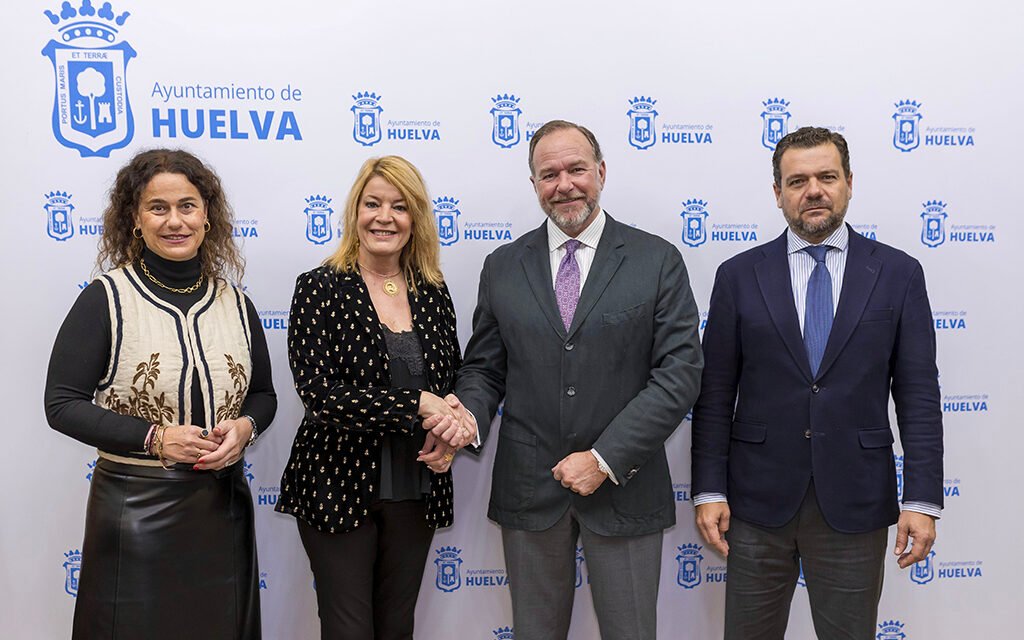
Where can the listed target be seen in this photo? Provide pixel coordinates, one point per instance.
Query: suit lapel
(364, 311)
(537, 265)
(859, 278)
(607, 259)
(773, 278)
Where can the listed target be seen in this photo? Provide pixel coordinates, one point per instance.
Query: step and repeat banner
(688, 99)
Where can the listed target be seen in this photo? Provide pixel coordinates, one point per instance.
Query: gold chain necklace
(389, 287)
(145, 270)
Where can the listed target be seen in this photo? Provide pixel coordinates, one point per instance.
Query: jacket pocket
(618, 317)
(512, 485)
(875, 438)
(749, 432)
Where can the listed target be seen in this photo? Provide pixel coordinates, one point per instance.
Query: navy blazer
(763, 425)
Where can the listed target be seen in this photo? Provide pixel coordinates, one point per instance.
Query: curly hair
(118, 247)
(422, 253)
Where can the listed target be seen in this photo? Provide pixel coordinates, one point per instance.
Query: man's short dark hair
(558, 125)
(807, 138)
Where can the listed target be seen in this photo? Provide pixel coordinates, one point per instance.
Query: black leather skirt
(168, 554)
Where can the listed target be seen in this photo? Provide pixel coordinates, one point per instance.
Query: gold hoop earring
(206, 225)
(137, 232)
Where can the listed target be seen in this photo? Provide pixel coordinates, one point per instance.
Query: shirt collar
(589, 236)
(838, 239)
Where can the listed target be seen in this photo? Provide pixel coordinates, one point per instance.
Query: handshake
(449, 426)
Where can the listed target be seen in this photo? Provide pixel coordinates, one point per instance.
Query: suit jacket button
(571, 391)
(807, 434)
(569, 346)
(815, 388)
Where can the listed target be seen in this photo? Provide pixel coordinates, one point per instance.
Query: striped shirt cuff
(603, 466)
(926, 508)
(706, 498)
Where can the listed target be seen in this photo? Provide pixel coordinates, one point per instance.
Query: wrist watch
(255, 432)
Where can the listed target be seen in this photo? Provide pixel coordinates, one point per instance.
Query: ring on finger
(204, 433)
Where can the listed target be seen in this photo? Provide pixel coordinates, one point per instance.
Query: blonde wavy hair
(118, 247)
(422, 254)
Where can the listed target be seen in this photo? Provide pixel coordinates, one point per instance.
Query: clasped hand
(221, 447)
(450, 427)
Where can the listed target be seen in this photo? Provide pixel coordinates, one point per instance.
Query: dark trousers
(623, 571)
(843, 572)
(368, 579)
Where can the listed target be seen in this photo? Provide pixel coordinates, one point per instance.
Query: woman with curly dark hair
(162, 365)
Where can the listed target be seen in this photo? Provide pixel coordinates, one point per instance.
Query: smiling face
(383, 222)
(171, 217)
(814, 192)
(568, 179)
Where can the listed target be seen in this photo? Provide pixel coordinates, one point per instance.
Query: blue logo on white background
(642, 122)
(801, 581)
(923, 572)
(776, 121)
(506, 112)
(906, 134)
(58, 207)
(92, 468)
(318, 219)
(933, 223)
(689, 572)
(890, 630)
(91, 112)
(694, 222)
(504, 633)
(72, 567)
(449, 575)
(579, 567)
(446, 211)
(247, 472)
(366, 113)
(899, 476)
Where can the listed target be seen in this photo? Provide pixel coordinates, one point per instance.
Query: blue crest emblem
(694, 215)
(72, 567)
(504, 633)
(58, 209)
(579, 567)
(366, 112)
(890, 630)
(641, 122)
(92, 467)
(318, 219)
(91, 111)
(506, 112)
(776, 121)
(906, 135)
(933, 223)
(689, 559)
(923, 572)
(446, 210)
(801, 581)
(247, 471)
(899, 476)
(449, 576)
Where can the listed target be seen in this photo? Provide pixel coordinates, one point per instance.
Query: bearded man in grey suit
(587, 329)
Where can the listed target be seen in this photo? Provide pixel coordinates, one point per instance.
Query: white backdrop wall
(275, 86)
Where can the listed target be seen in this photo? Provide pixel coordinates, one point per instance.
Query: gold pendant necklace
(388, 286)
(145, 270)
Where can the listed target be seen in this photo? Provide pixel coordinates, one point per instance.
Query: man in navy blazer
(806, 338)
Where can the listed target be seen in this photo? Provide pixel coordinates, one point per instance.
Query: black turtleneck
(82, 351)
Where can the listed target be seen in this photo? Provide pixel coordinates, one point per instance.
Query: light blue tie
(818, 311)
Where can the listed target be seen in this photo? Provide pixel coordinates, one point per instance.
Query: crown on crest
(366, 99)
(444, 202)
(58, 196)
(891, 626)
(505, 101)
(503, 633)
(690, 549)
(448, 552)
(934, 205)
(695, 204)
(73, 555)
(642, 103)
(775, 104)
(318, 202)
(86, 21)
(907, 106)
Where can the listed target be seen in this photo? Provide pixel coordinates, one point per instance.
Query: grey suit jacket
(621, 379)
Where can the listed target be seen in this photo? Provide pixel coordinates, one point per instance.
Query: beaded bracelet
(160, 446)
(148, 445)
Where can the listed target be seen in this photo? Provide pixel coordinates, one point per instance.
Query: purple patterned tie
(567, 283)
